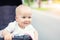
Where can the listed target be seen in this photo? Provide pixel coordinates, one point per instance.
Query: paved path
(47, 22)
(48, 26)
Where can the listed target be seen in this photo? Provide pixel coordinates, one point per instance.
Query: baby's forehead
(25, 14)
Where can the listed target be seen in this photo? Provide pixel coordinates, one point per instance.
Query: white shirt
(17, 31)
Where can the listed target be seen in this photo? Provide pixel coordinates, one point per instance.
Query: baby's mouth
(26, 23)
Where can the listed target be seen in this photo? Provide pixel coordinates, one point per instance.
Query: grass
(43, 9)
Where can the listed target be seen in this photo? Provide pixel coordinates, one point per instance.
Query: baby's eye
(23, 17)
(29, 17)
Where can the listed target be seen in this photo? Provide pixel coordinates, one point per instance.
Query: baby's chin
(25, 25)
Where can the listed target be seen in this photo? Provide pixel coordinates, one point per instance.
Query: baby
(22, 24)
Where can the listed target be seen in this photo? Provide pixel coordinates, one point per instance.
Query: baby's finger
(8, 38)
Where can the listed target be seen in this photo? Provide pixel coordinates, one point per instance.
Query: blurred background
(46, 16)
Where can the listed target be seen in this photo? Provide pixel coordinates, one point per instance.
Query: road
(47, 25)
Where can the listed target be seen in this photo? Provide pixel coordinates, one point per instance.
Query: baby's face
(24, 18)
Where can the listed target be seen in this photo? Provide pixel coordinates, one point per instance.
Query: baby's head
(23, 15)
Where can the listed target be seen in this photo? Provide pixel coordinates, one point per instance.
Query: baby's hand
(8, 37)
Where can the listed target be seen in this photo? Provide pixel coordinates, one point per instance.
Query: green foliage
(44, 0)
(26, 1)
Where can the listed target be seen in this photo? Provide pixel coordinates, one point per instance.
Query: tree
(39, 3)
(28, 2)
